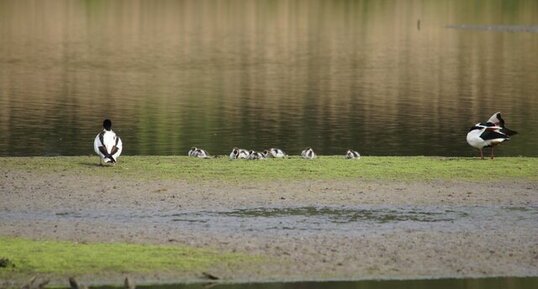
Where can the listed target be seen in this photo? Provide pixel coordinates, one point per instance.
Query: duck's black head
(107, 124)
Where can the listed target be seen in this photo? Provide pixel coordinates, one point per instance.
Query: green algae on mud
(412, 168)
(65, 258)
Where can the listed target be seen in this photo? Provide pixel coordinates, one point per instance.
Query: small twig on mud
(210, 276)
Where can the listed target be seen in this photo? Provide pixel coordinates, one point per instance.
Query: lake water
(382, 77)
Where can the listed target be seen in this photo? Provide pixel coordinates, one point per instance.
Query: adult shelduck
(489, 134)
(351, 154)
(308, 153)
(107, 144)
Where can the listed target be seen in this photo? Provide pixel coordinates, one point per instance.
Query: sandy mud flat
(310, 230)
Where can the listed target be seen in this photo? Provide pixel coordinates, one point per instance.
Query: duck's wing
(116, 149)
(96, 144)
(494, 133)
(99, 145)
(496, 119)
(508, 131)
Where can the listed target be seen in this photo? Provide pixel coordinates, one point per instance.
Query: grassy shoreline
(407, 168)
(23, 258)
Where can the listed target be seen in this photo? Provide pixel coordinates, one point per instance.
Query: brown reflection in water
(328, 74)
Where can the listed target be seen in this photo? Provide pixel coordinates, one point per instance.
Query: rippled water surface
(382, 77)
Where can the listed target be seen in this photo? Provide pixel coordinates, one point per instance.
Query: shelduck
(489, 134)
(107, 144)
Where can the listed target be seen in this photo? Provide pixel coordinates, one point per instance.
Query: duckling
(192, 152)
(203, 154)
(308, 153)
(238, 153)
(254, 155)
(275, 153)
(351, 154)
(198, 153)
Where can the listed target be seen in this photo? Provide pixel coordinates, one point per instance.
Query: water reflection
(256, 74)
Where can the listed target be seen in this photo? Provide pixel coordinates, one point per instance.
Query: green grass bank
(415, 168)
(22, 258)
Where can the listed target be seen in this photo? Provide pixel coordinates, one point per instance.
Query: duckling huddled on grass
(352, 155)
(238, 153)
(254, 155)
(198, 153)
(308, 153)
(274, 153)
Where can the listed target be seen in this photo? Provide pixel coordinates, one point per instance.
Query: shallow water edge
(452, 283)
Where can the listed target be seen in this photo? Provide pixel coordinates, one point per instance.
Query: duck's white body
(308, 153)
(108, 146)
(351, 154)
(238, 153)
(489, 134)
(482, 136)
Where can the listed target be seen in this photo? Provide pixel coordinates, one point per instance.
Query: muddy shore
(38, 206)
